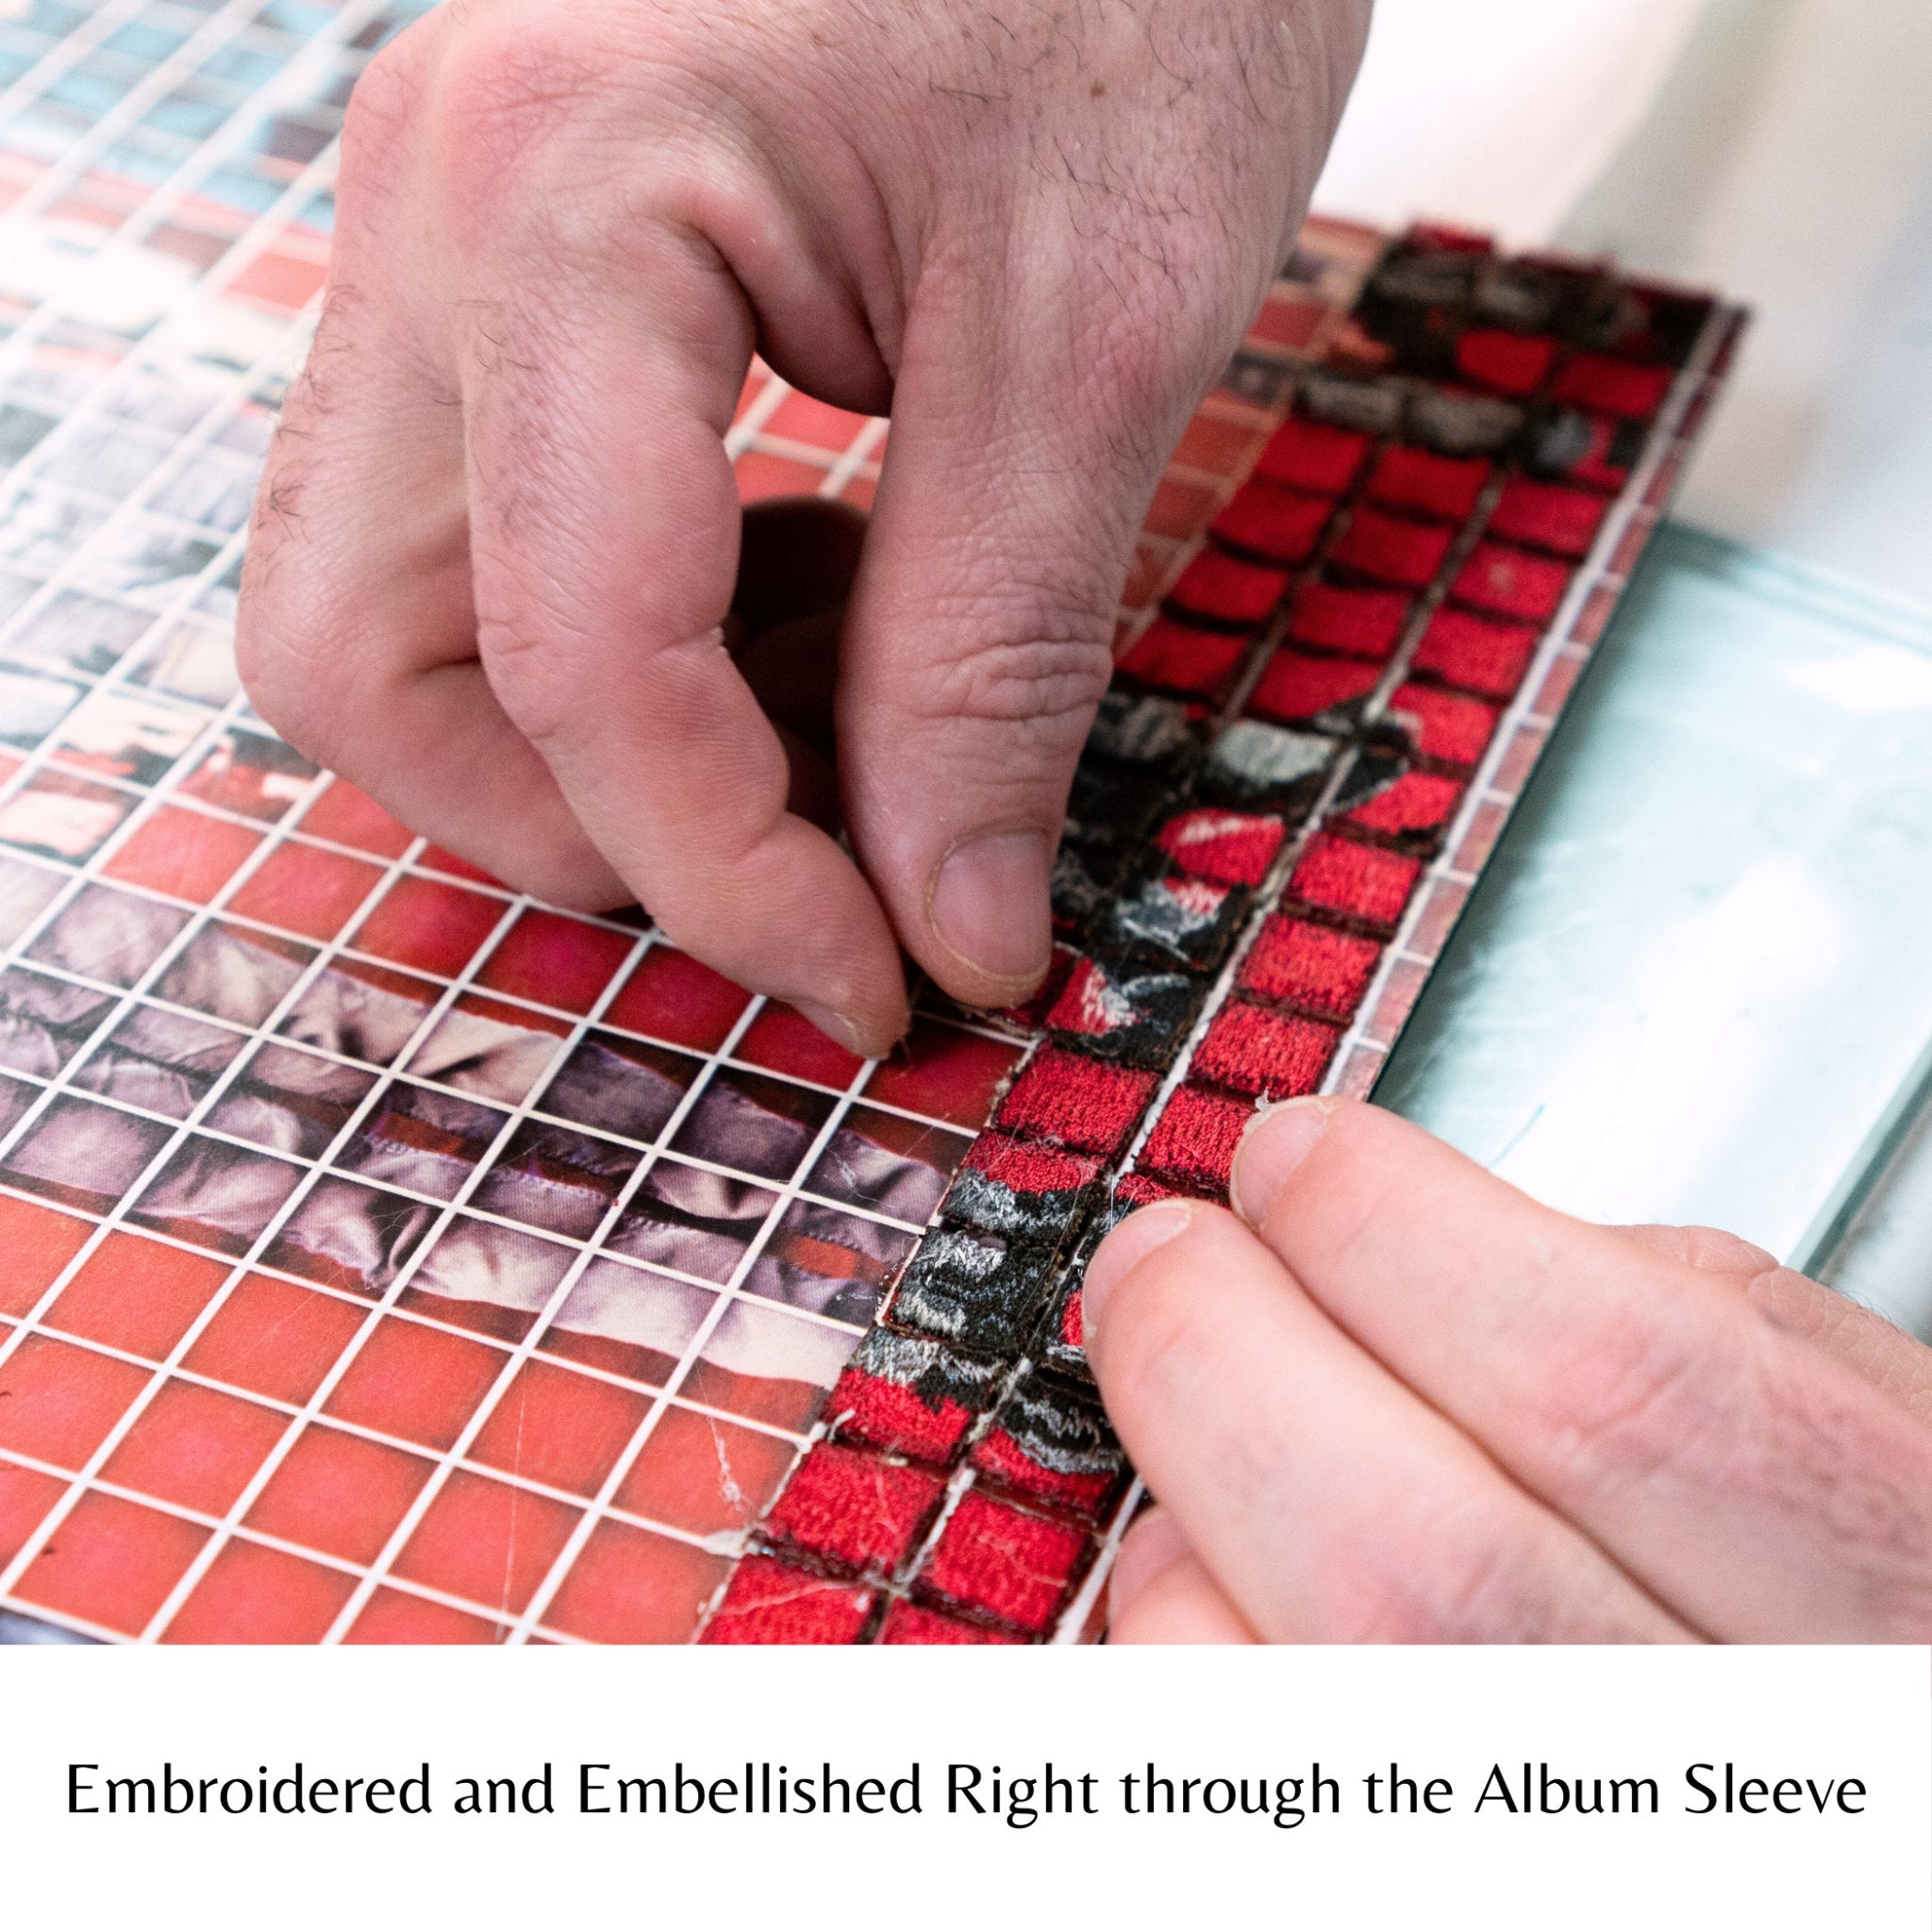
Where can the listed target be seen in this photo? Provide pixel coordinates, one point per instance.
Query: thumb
(979, 638)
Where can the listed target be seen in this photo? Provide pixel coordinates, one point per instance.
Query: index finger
(604, 540)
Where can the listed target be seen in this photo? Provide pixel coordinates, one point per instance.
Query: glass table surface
(1695, 983)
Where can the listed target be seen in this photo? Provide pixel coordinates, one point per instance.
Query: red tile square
(853, 1508)
(1311, 966)
(1313, 456)
(1002, 1561)
(1502, 359)
(1193, 1143)
(253, 1594)
(1612, 388)
(1354, 881)
(487, 1541)
(137, 1295)
(1392, 550)
(278, 282)
(195, 1446)
(1288, 324)
(394, 1616)
(182, 853)
(339, 1494)
(916, 1406)
(1511, 583)
(438, 859)
(1265, 1055)
(1232, 848)
(804, 419)
(25, 1496)
(420, 1383)
(945, 1073)
(1418, 804)
(1179, 508)
(701, 1473)
(1178, 657)
(556, 960)
(36, 1243)
(351, 817)
(1274, 523)
(112, 1563)
(1426, 485)
(908, 1623)
(1217, 446)
(785, 1040)
(631, 1586)
(306, 890)
(1080, 1103)
(1074, 1480)
(1548, 516)
(1296, 686)
(428, 925)
(769, 1602)
(1443, 725)
(1228, 590)
(760, 475)
(557, 1427)
(1476, 653)
(59, 1402)
(273, 1339)
(1354, 622)
(672, 996)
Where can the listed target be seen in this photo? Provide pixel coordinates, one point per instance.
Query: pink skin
(498, 538)
(1416, 1406)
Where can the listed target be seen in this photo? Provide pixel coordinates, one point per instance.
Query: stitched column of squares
(1273, 526)
(918, 1392)
(1443, 306)
(932, 1385)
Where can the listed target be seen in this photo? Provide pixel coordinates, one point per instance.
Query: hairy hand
(498, 537)
(1397, 1400)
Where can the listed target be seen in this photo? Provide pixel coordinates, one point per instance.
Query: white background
(1779, 150)
(1826, 1713)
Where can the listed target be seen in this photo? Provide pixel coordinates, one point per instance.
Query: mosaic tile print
(387, 1259)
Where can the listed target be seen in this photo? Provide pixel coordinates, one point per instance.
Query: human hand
(1397, 1400)
(498, 535)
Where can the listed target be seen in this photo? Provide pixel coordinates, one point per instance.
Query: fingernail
(1277, 1141)
(1124, 1250)
(1154, 1545)
(989, 906)
(833, 1025)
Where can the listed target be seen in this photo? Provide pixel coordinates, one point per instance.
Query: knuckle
(383, 108)
(1049, 685)
(510, 82)
(1031, 662)
(382, 131)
